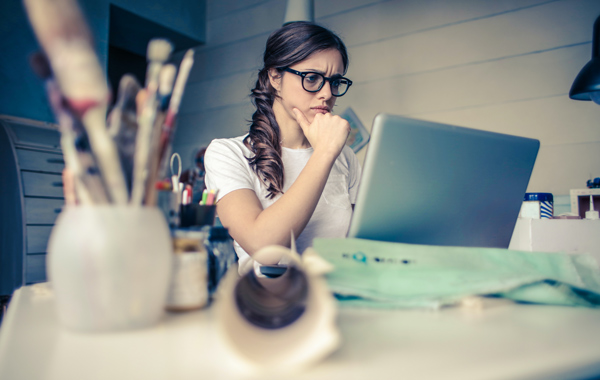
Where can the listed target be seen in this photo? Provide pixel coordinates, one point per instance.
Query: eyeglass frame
(303, 74)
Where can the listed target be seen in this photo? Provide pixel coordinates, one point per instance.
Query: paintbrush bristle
(166, 79)
(159, 50)
(40, 65)
(189, 55)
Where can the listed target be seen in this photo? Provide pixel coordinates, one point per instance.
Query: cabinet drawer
(37, 238)
(35, 269)
(42, 185)
(42, 211)
(40, 161)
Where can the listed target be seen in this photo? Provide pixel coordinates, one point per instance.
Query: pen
(204, 197)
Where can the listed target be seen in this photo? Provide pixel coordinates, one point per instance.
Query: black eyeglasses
(313, 82)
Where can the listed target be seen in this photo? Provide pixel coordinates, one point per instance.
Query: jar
(189, 280)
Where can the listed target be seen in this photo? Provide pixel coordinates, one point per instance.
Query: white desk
(502, 341)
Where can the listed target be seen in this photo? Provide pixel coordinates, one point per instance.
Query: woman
(292, 172)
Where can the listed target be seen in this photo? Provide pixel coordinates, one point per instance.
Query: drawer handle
(55, 161)
(57, 184)
(57, 210)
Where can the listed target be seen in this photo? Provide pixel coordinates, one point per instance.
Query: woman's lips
(320, 109)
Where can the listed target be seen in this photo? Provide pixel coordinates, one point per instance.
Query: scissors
(175, 177)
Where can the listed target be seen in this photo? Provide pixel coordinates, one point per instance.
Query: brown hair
(286, 46)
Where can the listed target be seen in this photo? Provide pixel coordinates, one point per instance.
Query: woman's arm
(242, 213)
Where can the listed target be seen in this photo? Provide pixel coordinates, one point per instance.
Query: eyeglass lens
(313, 82)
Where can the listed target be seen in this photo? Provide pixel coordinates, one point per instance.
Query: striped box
(537, 206)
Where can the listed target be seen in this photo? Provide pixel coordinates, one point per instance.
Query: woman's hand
(327, 133)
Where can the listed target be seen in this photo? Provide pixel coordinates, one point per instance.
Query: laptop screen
(437, 184)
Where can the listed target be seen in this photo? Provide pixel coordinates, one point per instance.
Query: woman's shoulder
(234, 145)
(348, 155)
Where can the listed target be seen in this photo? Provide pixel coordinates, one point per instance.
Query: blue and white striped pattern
(546, 210)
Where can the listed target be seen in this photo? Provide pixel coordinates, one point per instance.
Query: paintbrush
(63, 34)
(168, 129)
(79, 160)
(158, 52)
(165, 88)
(123, 124)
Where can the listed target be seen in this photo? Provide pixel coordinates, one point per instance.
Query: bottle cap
(542, 197)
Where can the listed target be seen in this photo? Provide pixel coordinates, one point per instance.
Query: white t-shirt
(227, 170)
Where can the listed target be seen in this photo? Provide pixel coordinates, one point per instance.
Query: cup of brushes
(109, 253)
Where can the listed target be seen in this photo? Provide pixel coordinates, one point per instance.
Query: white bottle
(592, 214)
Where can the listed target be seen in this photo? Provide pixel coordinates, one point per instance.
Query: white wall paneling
(502, 65)
(390, 19)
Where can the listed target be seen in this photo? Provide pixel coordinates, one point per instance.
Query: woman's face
(292, 94)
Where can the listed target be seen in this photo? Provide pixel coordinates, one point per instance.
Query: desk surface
(500, 341)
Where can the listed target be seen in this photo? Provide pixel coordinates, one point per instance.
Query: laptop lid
(437, 184)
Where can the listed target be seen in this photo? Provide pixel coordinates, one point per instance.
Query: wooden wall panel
(507, 35)
(224, 60)
(219, 92)
(222, 8)
(504, 66)
(234, 26)
(390, 19)
(495, 82)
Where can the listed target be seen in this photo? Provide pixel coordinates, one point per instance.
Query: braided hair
(287, 46)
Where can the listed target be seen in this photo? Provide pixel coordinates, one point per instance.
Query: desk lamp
(587, 83)
(299, 10)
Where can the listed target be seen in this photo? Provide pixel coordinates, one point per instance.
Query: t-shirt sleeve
(354, 175)
(226, 168)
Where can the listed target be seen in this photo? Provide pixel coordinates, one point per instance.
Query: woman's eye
(312, 78)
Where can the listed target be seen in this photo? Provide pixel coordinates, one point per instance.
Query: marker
(210, 199)
(204, 197)
(187, 195)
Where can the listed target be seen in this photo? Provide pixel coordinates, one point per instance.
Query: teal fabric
(394, 275)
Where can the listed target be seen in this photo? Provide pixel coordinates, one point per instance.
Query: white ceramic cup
(109, 267)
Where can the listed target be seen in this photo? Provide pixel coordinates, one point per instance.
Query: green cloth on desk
(394, 275)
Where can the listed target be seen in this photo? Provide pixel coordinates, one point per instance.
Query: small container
(537, 206)
(197, 215)
(189, 281)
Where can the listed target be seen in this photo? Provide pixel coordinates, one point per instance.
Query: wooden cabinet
(31, 198)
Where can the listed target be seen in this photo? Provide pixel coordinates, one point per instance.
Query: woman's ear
(275, 79)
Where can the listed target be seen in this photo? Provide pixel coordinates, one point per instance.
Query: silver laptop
(436, 184)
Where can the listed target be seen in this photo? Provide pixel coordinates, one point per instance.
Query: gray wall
(502, 65)
(21, 92)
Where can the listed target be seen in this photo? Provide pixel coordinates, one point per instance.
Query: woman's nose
(325, 91)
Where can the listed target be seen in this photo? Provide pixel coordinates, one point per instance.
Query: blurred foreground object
(110, 263)
(109, 267)
(282, 322)
(117, 162)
